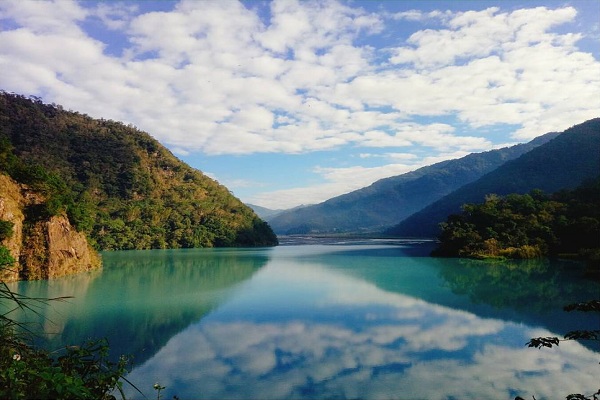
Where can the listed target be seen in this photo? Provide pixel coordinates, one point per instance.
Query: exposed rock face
(11, 209)
(42, 249)
(54, 248)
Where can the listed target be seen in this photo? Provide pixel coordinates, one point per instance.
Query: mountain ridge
(389, 200)
(562, 163)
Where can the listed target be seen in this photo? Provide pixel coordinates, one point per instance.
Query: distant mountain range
(562, 163)
(413, 204)
(389, 201)
(264, 212)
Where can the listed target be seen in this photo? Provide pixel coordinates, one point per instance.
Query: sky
(295, 102)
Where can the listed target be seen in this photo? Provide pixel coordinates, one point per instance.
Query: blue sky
(295, 102)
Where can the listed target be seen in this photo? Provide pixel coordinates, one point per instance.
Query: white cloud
(288, 198)
(512, 70)
(418, 15)
(400, 156)
(210, 61)
(114, 16)
(44, 17)
(218, 78)
(410, 15)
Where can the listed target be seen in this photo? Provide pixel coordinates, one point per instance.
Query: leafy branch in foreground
(550, 341)
(592, 305)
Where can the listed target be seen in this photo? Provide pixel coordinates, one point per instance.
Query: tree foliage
(6, 229)
(526, 226)
(118, 184)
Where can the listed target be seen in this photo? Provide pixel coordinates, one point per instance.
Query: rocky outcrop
(54, 248)
(11, 209)
(42, 248)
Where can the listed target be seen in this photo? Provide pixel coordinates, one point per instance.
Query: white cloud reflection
(357, 341)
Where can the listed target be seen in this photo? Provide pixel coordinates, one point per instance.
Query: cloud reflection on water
(355, 340)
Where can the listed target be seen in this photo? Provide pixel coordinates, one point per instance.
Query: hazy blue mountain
(562, 163)
(390, 200)
(264, 212)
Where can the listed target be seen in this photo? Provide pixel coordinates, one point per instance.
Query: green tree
(526, 226)
(6, 229)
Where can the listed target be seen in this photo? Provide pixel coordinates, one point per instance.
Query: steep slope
(390, 200)
(563, 163)
(42, 248)
(119, 185)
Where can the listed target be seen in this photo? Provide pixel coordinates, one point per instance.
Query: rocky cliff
(42, 248)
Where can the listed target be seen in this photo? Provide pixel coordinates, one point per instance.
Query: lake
(372, 319)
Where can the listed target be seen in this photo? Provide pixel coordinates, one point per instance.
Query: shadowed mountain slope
(390, 200)
(563, 163)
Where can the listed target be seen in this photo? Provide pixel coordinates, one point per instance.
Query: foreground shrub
(74, 372)
(80, 373)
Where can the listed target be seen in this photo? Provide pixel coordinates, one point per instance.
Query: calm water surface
(368, 320)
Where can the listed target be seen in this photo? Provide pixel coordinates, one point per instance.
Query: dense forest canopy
(527, 226)
(118, 184)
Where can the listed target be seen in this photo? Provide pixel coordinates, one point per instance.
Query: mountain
(117, 184)
(264, 212)
(390, 200)
(562, 163)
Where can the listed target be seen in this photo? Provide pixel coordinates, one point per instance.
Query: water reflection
(310, 360)
(369, 321)
(302, 328)
(534, 285)
(141, 298)
(524, 291)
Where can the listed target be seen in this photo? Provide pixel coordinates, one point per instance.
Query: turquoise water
(369, 320)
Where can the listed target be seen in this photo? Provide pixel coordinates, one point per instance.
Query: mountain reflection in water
(140, 299)
(362, 320)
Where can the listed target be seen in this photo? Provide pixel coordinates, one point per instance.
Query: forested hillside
(563, 163)
(527, 226)
(390, 200)
(117, 184)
